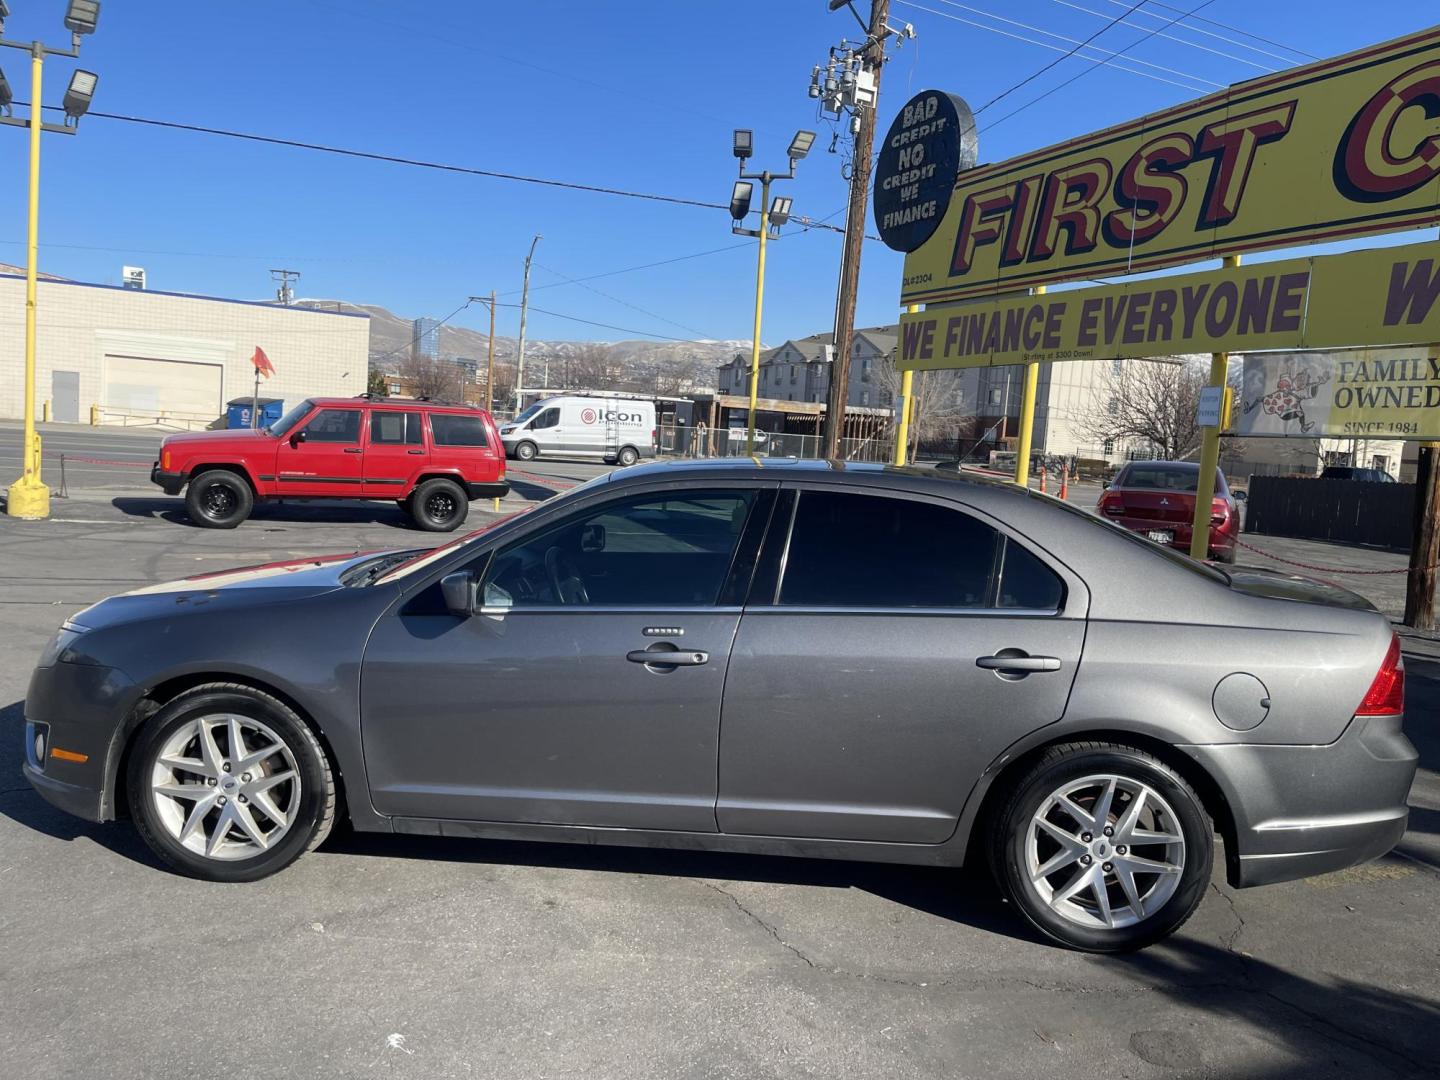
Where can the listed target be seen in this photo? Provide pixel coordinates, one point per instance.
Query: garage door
(140, 385)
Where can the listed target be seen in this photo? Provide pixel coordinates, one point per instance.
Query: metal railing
(103, 415)
(731, 442)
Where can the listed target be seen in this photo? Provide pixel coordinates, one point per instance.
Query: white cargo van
(618, 430)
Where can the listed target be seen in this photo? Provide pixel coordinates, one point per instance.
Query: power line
(416, 339)
(1181, 40)
(1061, 37)
(632, 269)
(370, 155)
(1086, 71)
(626, 303)
(1222, 26)
(607, 326)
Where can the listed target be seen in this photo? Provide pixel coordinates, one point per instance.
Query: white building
(145, 356)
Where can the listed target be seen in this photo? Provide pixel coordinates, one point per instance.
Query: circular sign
(930, 142)
(587, 416)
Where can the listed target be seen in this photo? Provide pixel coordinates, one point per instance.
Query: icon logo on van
(587, 416)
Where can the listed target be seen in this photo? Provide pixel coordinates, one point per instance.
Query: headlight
(63, 639)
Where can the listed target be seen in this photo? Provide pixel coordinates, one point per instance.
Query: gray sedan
(815, 659)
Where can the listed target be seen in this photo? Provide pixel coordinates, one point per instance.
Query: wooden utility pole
(1425, 542)
(854, 237)
(490, 364)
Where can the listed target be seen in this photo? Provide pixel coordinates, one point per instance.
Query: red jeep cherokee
(431, 458)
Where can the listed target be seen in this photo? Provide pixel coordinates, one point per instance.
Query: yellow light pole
(902, 430)
(1027, 416)
(1209, 453)
(772, 216)
(28, 497)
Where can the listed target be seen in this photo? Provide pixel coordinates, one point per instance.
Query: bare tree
(1151, 401)
(427, 377)
(938, 409)
(591, 367)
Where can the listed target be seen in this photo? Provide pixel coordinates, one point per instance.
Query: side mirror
(297, 438)
(1104, 484)
(459, 590)
(592, 537)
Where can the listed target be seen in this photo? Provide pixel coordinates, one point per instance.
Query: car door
(590, 692)
(892, 647)
(394, 450)
(324, 456)
(545, 428)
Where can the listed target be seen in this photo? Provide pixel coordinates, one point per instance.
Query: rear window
(449, 429)
(1166, 478)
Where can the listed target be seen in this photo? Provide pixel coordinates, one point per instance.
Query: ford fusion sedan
(848, 662)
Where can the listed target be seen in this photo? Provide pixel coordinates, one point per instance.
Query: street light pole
(759, 305)
(520, 347)
(29, 497)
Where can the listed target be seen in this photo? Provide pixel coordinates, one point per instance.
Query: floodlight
(836, 5)
(82, 15)
(744, 142)
(5, 95)
(740, 199)
(800, 145)
(78, 94)
(780, 209)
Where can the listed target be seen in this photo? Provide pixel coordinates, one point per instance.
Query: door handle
(415, 451)
(1017, 662)
(352, 450)
(660, 656)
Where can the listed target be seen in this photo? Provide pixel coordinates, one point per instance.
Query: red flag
(262, 363)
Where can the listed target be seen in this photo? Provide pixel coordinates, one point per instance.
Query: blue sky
(635, 94)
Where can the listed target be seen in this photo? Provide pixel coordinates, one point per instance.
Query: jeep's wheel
(219, 499)
(226, 783)
(1103, 847)
(439, 505)
(525, 451)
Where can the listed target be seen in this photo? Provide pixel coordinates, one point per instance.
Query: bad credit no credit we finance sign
(1378, 296)
(1346, 147)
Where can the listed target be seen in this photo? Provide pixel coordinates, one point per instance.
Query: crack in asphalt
(1234, 936)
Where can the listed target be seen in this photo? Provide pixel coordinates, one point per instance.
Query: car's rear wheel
(628, 456)
(1102, 847)
(439, 505)
(226, 783)
(219, 499)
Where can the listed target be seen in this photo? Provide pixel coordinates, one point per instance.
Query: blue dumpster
(239, 412)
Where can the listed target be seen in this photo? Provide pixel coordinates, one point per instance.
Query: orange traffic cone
(1064, 483)
(1042, 479)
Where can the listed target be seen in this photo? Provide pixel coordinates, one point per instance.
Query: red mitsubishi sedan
(1157, 500)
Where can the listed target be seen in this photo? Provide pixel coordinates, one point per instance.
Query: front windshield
(290, 419)
(527, 414)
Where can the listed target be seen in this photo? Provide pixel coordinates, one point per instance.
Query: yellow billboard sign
(1355, 393)
(1378, 296)
(1346, 147)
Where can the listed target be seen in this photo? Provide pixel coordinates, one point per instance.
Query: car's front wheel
(219, 499)
(1102, 847)
(226, 783)
(525, 451)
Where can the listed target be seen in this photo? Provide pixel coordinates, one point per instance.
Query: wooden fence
(1343, 511)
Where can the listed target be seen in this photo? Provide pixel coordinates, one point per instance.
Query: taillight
(1110, 504)
(1386, 696)
(1219, 510)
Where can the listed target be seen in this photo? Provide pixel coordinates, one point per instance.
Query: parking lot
(437, 958)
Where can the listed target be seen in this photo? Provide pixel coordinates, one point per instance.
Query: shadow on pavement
(1392, 1032)
(352, 512)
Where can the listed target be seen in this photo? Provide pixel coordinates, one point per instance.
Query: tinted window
(449, 429)
(1026, 582)
(871, 551)
(291, 418)
(395, 427)
(548, 418)
(334, 425)
(653, 550)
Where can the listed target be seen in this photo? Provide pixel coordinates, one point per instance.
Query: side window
(451, 429)
(1026, 582)
(334, 426)
(395, 428)
(668, 550)
(548, 418)
(873, 551)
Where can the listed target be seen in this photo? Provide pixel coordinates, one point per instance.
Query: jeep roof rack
(399, 400)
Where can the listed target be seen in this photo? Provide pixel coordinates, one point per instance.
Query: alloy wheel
(226, 786)
(1104, 851)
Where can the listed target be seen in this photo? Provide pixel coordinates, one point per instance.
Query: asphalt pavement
(430, 958)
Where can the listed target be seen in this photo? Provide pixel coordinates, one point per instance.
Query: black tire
(628, 456)
(1010, 826)
(526, 451)
(316, 799)
(439, 505)
(219, 499)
